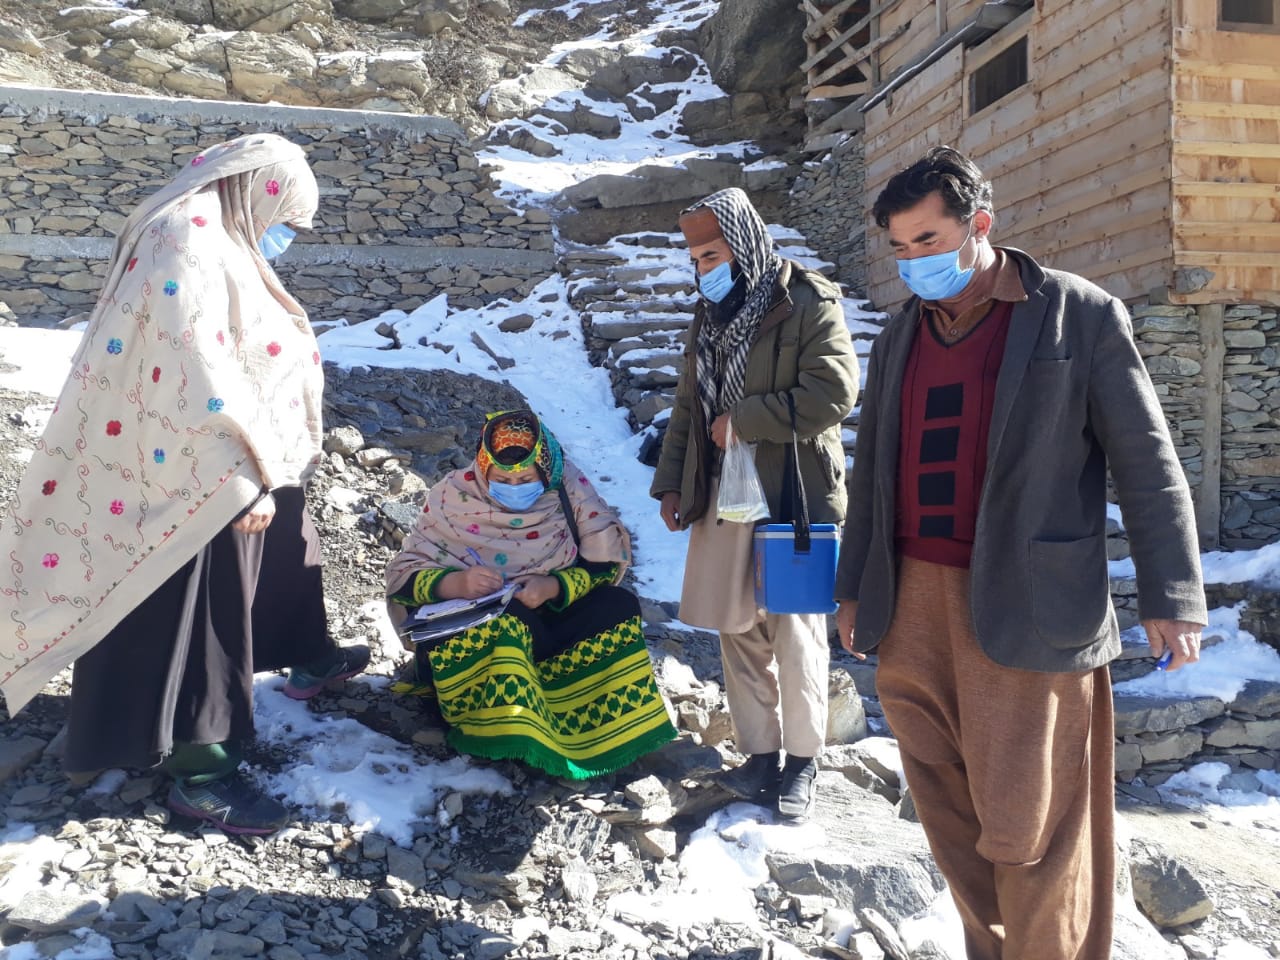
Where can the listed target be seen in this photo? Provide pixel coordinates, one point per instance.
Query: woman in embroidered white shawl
(168, 478)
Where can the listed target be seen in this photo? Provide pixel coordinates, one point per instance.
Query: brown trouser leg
(1012, 775)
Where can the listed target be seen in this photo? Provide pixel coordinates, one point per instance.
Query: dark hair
(509, 456)
(948, 172)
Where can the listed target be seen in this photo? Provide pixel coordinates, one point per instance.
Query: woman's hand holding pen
(475, 581)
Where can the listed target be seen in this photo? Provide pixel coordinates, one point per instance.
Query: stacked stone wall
(406, 210)
(826, 205)
(1170, 342)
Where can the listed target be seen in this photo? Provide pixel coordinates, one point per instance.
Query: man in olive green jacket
(767, 333)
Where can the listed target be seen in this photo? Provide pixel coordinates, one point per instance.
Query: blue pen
(475, 556)
(1164, 660)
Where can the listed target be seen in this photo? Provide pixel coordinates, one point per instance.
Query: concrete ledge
(396, 256)
(84, 103)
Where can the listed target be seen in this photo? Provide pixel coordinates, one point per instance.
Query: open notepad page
(434, 611)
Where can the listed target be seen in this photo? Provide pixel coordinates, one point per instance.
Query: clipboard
(436, 621)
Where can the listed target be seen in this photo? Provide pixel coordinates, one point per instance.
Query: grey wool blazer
(1072, 399)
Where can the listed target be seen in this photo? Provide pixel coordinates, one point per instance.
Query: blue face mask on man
(716, 283)
(516, 497)
(937, 277)
(275, 240)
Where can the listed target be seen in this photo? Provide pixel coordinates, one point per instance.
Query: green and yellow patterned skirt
(572, 693)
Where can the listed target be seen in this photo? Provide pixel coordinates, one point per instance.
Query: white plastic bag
(741, 497)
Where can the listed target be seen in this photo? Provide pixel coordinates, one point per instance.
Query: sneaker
(231, 804)
(799, 786)
(328, 671)
(756, 780)
(413, 680)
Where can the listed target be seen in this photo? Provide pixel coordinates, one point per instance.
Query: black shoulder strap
(569, 518)
(799, 502)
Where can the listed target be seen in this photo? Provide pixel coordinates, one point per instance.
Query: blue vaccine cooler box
(791, 582)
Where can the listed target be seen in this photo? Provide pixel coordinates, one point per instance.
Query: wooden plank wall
(1226, 157)
(1080, 157)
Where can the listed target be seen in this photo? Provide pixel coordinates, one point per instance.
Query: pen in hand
(1164, 660)
(479, 562)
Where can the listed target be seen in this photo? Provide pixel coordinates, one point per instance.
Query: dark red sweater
(947, 396)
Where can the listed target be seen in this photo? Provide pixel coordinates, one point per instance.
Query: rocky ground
(529, 874)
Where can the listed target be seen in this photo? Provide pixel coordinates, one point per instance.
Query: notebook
(435, 621)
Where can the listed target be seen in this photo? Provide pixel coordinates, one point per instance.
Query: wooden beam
(862, 55)
(817, 27)
(1205, 110)
(851, 31)
(816, 50)
(1244, 191)
(1208, 495)
(836, 91)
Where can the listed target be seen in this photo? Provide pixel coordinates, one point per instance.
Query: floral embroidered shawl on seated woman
(562, 680)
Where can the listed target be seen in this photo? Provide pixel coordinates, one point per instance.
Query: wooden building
(1134, 142)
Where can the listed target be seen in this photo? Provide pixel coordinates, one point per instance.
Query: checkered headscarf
(721, 350)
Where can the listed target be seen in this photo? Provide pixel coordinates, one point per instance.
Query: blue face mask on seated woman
(275, 240)
(517, 497)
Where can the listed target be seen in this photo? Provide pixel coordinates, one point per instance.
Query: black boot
(799, 785)
(756, 780)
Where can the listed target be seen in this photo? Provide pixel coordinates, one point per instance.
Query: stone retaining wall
(826, 205)
(406, 211)
(1170, 341)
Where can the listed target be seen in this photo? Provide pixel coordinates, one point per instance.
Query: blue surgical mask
(516, 497)
(937, 277)
(716, 283)
(275, 240)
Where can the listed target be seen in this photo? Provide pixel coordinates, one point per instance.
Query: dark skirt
(179, 668)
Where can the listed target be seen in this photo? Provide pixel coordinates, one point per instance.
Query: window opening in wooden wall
(1256, 15)
(1000, 76)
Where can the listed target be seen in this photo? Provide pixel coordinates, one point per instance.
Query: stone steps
(635, 307)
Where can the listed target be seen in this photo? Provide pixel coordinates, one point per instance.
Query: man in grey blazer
(974, 556)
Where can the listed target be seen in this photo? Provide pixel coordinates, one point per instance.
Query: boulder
(45, 912)
(270, 68)
(1156, 714)
(399, 70)
(437, 15)
(846, 718)
(93, 19)
(755, 45)
(17, 754)
(193, 81)
(342, 79)
(18, 39)
(270, 16)
(653, 184)
(1166, 891)
(498, 9)
(581, 118)
(130, 60)
(194, 12)
(616, 73)
(372, 11)
(866, 856)
(156, 32)
(206, 49)
(522, 95)
(1259, 697)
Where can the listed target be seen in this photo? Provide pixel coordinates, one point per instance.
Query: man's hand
(258, 518)
(1180, 638)
(477, 581)
(536, 589)
(720, 431)
(846, 619)
(671, 510)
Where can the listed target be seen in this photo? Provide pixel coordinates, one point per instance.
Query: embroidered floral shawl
(459, 513)
(197, 383)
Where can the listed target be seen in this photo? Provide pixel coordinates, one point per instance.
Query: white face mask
(275, 240)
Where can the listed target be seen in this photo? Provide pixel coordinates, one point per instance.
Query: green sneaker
(231, 804)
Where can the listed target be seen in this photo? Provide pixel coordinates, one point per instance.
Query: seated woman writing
(562, 679)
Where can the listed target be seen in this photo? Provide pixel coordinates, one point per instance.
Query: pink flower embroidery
(315, 358)
(221, 338)
(50, 560)
(49, 487)
(133, 262)
(197, 160)
(155, 374)
(473, 528)
(113, 428)
(273, 349)
(117, 507)
(199, 221)
(272, 187)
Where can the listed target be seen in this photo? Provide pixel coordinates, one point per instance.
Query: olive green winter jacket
(802, 348)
